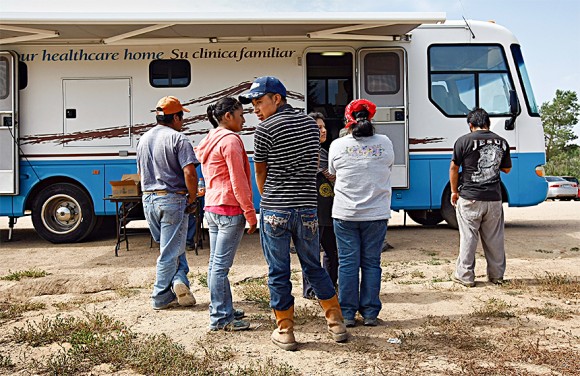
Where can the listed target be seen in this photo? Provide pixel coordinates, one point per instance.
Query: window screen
(382, 73)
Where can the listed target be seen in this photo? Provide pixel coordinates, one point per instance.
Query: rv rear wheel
(426, 217)
(63, 213)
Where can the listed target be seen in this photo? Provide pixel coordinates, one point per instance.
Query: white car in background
(560, 188)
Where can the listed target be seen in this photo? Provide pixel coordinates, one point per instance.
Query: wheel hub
(64, 214)
(61, 214)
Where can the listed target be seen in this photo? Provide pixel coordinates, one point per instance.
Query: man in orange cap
(166, 163)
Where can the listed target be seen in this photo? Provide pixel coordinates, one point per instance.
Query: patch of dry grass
(494, 308)
(255, 290)
(561, 285)
(306, 314)
(10, 311)
(97, 340)
(552, 311)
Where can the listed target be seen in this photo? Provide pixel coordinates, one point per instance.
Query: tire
(63, 213)
(426, 217)
(447, 210)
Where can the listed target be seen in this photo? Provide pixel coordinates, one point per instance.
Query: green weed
(18, 275)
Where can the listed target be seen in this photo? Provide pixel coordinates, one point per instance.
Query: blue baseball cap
(262, 86)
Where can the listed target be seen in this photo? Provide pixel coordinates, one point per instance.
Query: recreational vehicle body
(78, 90)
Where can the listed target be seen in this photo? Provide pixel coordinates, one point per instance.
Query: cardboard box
(129, 185)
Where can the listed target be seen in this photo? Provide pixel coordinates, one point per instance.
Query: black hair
(363, 126)
(216, 112)
(479, 118)
(282, 100)
(167, 119)
(316, 115)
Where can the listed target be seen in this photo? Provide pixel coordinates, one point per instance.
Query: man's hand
(191, 207)
(252, 229)
(454, 198)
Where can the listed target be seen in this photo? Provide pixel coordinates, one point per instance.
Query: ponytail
(216, 112)
(363, 126)
(210, 115)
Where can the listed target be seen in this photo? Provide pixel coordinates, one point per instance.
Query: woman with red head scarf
(362, 162)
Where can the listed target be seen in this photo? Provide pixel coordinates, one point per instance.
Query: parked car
(574, 180)
(560, 188)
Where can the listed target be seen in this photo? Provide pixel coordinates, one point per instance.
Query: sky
(548, 30)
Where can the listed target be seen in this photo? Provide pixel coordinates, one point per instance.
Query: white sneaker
(184, 296)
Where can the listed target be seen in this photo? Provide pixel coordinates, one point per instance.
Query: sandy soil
(431, 316)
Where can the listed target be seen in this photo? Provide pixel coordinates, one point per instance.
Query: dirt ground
(428, 324)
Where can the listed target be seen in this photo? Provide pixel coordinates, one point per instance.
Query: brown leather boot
(283, 335)
(334, 319)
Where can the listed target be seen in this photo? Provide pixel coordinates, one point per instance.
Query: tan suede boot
(283, 335)
(334, 319)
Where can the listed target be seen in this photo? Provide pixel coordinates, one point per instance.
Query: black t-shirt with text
(481, 154)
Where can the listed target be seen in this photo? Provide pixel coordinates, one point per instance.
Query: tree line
(559, 117)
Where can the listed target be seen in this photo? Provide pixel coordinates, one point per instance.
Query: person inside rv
(166, 163)
(324, 187)
(286, 150)
(362, 162)
(228, 205)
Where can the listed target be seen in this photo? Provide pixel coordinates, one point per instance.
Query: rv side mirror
(510, 123)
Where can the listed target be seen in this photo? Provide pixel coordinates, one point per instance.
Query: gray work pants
(475, 219)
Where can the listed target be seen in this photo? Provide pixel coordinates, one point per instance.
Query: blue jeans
(190, 238)
(277, 227)
(168, 225)
(225, 234)
(359, 247)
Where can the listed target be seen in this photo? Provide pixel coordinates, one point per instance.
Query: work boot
(334, 319)
(283, 335)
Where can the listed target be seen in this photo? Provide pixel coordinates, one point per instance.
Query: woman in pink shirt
(228, 205)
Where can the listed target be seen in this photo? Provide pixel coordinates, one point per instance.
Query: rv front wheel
(63, 213)
(426, 217)
(447, 210)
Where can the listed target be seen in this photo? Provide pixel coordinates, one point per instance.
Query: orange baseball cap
(169, 105)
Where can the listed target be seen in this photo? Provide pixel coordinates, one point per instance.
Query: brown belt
(163, 192)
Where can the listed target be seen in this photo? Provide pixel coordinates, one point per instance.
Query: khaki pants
(475, 219)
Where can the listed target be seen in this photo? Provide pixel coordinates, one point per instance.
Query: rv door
(8, 123)
(382, 81)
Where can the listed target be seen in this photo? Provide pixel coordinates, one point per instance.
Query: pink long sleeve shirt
(226, 171)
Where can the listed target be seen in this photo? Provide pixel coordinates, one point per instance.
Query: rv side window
(382, 73)
(466, 76)
(169, 73)
(4, 78)
(22, 75)
(525, 81)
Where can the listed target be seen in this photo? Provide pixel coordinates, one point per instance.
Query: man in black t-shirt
(286, 162)
(482, 154)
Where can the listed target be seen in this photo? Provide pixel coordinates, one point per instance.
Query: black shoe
(239, 314)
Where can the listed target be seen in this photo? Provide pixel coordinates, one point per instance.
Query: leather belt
(163, 192)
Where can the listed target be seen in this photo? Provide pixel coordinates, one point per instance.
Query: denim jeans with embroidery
(168, 225)
(277, 227)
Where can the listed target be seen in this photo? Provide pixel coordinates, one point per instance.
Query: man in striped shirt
(286, 163)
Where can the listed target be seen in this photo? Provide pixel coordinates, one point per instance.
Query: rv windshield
(525, 81)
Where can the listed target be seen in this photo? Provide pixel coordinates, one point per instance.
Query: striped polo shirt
(288, 142)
